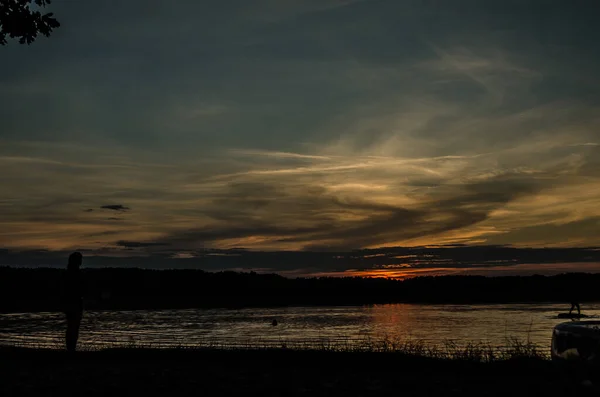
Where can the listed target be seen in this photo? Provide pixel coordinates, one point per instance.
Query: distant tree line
(25, 289)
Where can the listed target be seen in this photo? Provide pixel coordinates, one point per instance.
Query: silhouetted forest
(24, 289)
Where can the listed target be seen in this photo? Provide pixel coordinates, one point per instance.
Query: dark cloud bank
(302, 263)
(318, 220)
(115, 207)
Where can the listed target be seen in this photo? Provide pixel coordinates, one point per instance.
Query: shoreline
(482, 352)
(99, 308)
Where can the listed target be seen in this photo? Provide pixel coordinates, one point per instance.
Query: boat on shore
(576, 341)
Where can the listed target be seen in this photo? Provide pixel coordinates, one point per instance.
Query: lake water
(297, 326)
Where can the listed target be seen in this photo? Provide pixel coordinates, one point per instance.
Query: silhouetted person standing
(573, 306)
(573, 296)
(73, 299)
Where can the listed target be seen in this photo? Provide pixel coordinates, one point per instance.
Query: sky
(159, 133)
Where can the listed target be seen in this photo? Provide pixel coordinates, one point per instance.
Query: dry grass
(449, 350)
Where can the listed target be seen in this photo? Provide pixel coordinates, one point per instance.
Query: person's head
(75, 260)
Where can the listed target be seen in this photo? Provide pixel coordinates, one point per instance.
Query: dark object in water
(274, 323)
(571, 315)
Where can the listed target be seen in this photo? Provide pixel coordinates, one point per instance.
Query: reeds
(448, 350)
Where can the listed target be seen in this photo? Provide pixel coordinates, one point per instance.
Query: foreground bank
(146, 372)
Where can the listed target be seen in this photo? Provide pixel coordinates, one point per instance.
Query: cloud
(586, 144)
(312, 217)
(137, 244)
(115, 207)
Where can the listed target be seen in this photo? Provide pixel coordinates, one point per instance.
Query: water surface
(496, 325)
